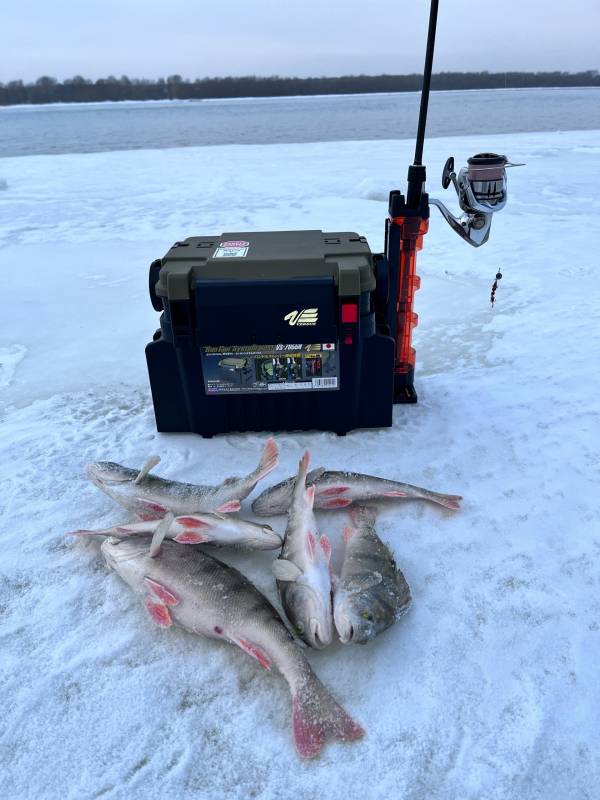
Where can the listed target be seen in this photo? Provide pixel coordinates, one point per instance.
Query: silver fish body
(335, 489)
(151, 497)
(186, 587)
(302, 570)
(371, 592)
(221, 530)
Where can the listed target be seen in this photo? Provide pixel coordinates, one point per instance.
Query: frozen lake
(86, 128)
(489, 687)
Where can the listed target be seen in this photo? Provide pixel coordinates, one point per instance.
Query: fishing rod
(481, 190)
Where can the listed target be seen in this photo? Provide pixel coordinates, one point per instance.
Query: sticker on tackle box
(236, 249)
(257, 368)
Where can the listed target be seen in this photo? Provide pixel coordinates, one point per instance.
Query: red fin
(309, 735)
(150, 510)
(311, 543)
(304, 462)
(325, 546)
(348, 533)
(335, 502)
(193, 522)
(334, 491)
(314, 721)
(310, 495)
(229, 506)
(160, 591)
(159, 613)
(256, 652)
(448, 501)
(190, 537)
(269, 459)
(394, 494)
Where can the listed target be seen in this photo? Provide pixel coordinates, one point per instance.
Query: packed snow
(489, 687)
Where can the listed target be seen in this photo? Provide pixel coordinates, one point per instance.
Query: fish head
(275, 500)
(107, 473)
(262, 537)
(310, 614)
(361, 615)
(126, 557)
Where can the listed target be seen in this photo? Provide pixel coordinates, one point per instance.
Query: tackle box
(269, 331)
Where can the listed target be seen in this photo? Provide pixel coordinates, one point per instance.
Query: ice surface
(489, 687)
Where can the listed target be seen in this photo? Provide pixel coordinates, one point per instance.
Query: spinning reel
(481, 187)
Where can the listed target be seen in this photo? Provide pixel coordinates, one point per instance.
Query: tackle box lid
(268, 255)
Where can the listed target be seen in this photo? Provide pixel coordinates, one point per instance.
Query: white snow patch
(488, 688)
(10, 357)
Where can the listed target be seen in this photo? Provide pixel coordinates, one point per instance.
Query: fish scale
(185, 586)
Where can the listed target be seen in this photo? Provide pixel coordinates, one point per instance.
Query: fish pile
(184, 585)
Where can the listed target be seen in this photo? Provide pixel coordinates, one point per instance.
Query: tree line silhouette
(81, 90)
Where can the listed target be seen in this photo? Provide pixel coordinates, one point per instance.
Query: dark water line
(88, 128)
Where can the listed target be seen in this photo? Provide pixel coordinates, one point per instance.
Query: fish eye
(299, 628)
(367, 615)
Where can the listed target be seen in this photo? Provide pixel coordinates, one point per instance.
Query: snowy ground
(489, 687)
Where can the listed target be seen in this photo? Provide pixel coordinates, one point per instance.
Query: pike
(302, 569)
(150, 497)
(371, 592)
(340, 489)
(188, 588)
(222, 530)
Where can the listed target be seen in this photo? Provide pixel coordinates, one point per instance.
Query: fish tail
(316, 716)
(363, 516)
(268, 461)
(303, 465)
(120, 531)
(447, 500)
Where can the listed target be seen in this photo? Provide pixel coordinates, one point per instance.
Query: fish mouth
(100, 475)
(345, 633)
(273, 536)
(346, 630)
(117, 550)
(106, 548)
(350, 635)
(320, 637)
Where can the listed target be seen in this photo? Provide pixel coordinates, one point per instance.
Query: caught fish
(340, 489)
(302, 569)
(223, 530)
(150, 497)
(186, 587)
(371, 592)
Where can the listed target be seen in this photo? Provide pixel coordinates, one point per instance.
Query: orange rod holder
(412, 230)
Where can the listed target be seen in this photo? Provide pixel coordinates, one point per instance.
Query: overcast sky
(152, 38)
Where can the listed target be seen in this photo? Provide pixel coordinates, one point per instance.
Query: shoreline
(280, 97)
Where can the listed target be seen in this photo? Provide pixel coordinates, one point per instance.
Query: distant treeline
(82, 90)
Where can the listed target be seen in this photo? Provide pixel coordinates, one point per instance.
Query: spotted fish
(150, 497)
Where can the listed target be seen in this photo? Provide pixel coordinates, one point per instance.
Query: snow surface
(489, 687)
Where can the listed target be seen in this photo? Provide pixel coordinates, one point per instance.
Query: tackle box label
(237, 249)
(248, 369)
